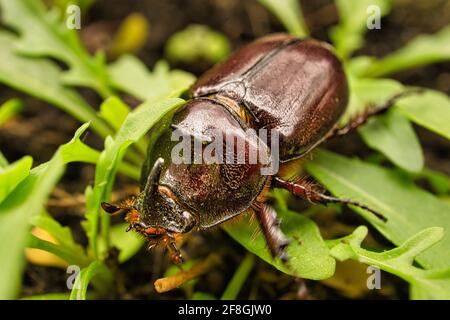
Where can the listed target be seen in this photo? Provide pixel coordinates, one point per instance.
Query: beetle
(296, 89)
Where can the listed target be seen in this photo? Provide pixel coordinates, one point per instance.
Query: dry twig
(172, 282)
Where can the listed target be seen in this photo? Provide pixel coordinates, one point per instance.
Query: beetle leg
(270, 225)
(306, 192)
(362, 118)
(175, 254)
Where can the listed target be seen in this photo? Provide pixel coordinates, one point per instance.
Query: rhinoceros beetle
(294, 89)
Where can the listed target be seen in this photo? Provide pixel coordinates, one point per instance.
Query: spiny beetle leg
(306, 192)
(175, 254)
(270, 225)
(362, 118)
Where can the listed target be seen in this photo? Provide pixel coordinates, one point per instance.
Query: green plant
(417, 219)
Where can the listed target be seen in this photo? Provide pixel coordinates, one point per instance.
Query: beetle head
(156, 213)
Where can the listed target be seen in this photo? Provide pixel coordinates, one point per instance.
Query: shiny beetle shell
(296, 87)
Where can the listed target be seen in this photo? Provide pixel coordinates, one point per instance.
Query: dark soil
(40, 129)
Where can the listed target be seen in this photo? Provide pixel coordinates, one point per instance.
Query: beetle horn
(153, 178)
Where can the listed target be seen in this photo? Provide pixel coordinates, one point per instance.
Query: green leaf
(389, 134)
(85, 276)
(9, 109)
(197, 42)
(308, 255)
(17, 210)
(45, 34)
(13, 174)
(76, 151)
(41, 79)
(393, 135)
(67, 249)
(430, 110)
(203, 296)
(130, 75)
(23, 203)
(48, 296)
(408, 208)
(114, 112)
(354, 16)
(425, 284)
(366, 93)
(239, 277)
(422, 50)
(289, 12)
(129, 243)
(132, 129)
(62, 252)
(439, 181)
(3, 161)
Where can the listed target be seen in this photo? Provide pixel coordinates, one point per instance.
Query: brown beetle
(294, 89)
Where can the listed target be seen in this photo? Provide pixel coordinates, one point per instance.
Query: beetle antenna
(113, 209)
(110, 208)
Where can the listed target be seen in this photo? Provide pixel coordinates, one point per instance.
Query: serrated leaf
(354, 16)
(289, 12)
(13, 174)
(76, 151)
(393, 135)
(130, 75)
(422, 50)
(308, 255)
(425, 284)
(41, 79)
(44, 34)
(408, 208)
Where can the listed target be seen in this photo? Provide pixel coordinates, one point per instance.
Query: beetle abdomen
(296, 87)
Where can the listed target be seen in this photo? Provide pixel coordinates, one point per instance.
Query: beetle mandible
(295, 89)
